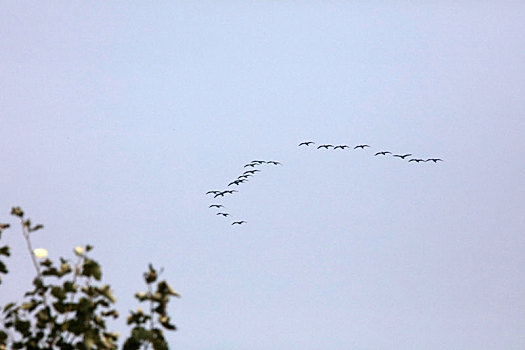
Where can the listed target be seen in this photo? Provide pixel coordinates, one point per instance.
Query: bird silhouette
(213, 192)
(237, 182)
(361, 146)
(417, 160)
(273, 162)
(402, 156)
(216, 206)
(258, 161)
(306, 143)
(238, 222)
(250, 164)
(325, 146)
(341, 147)
(383, 153)
(223, 214)
(435, 160)
(250, 171)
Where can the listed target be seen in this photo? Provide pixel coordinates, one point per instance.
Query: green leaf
(16, 211)
(92, 269)
(5, 250)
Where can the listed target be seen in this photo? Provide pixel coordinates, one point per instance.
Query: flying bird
(250, 171)
(325, 146)
(236, 182)
(238, 222)
(216, 206)
(258, 161)
(307, 143)
(214, 192)
(402, 156)
(273, 162)
(223, 214)
(435, 160)
(361, 146)
(250, 164)
(383, 153)
(417, 160)
(341, 146)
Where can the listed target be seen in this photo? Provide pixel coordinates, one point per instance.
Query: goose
(273, 162)
(214, 192)
(383, 153)
(341, 147)
(306, 143)
(223, 214)
(250, 171)
(361, 146)
(402, 156)
(238, 222)
(417, 160)
(250, 164)
(325, 146)
(435, 160)
(216, 206)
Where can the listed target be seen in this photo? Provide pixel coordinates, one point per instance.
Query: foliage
(68, 306)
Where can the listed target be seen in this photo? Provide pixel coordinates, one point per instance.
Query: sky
(117, 117)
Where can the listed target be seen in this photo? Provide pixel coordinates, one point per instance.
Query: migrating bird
(224, 192)
(258, 161)
(306, 143)
(238, 222)
(341, 147)
(216, 206)
(417, 160)
(383, 153)
(361, 146)
(223, 214)
(273, 162)
(402, 156)
(250, 164)
(250, 171)
(236, 182)
(325, 146)
(435, 160)
(214, 192)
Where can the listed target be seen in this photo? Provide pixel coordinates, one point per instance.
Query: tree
(68, 305)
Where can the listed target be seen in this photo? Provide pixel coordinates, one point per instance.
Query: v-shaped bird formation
(255, 166)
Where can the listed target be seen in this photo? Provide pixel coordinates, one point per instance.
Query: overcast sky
(117, 117)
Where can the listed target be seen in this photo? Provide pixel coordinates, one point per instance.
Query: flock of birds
(380, 153)
(254, 167)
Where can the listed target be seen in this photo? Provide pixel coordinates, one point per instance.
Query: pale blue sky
(117, 117)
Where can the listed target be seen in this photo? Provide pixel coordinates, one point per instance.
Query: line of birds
(380, 153)
(239, 180)
(254, 167)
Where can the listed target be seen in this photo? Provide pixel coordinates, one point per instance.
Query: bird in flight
(273, 162)
(361, 146)
(237, 182)
(417, 160)
(250, 164)
(216, 206)
(223, 214)
(402, 156)
(214, 192)
(223, 193)
(383, 153)
(435, 160)
(250, 171)
(325, 146)
(258, 161)
(306, 143)
(341, 146)
(238, 222)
